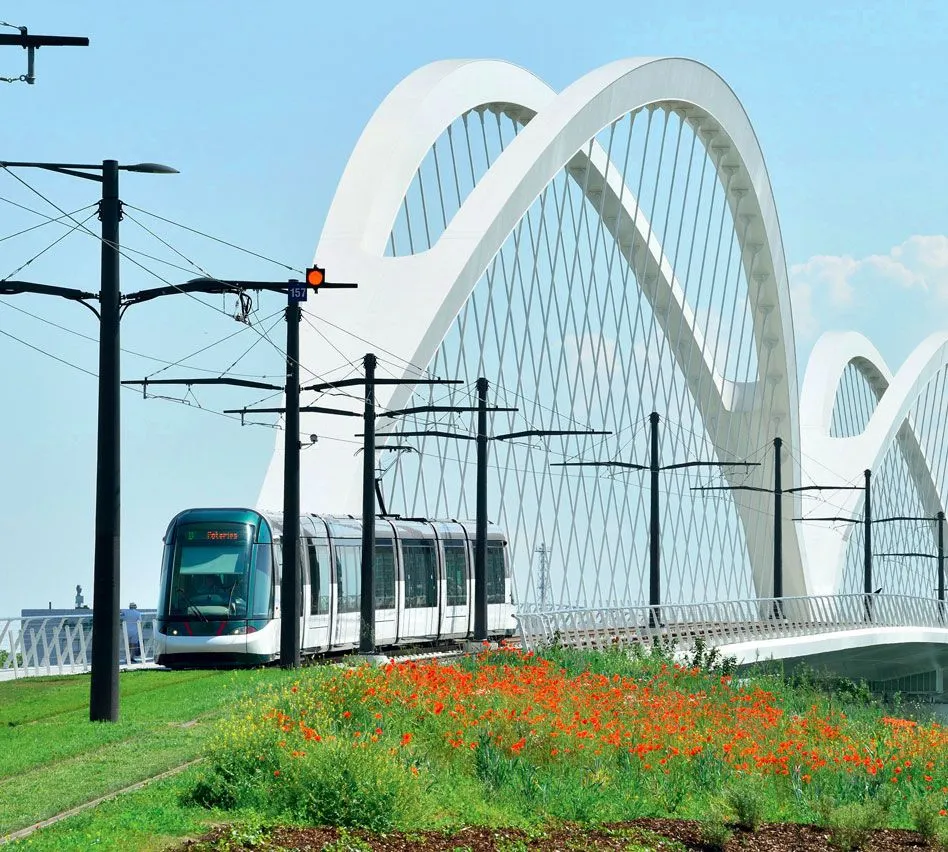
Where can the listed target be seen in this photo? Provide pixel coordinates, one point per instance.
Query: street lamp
(106, 601)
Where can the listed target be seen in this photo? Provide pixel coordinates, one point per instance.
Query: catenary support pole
(290, 584)
(367, 620)
(778, 530)
(480, 535)
(941, 563)
(655, 541)
(104, 685)
(867, 545)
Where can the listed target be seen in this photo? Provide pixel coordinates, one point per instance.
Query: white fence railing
(726, 622)
(62, 644)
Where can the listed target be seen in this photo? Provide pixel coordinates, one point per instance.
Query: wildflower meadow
(512, 738)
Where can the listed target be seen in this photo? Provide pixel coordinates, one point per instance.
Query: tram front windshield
(209, 573)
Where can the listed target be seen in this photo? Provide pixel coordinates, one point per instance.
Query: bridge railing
(725, 622)
(62, 644)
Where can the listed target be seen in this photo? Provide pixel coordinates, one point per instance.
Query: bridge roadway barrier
(871, 636)
(62, 644)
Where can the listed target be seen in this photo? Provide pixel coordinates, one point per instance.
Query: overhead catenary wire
(51, 245)
(217, 239)
(50, 220)
(194, 267)
(135, 353)
(48, 354)
(148, 270)
(164, 398)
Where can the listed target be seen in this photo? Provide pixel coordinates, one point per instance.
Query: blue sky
(259, 107)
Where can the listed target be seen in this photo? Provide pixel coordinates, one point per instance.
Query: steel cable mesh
(909, 482)
(855, 401)
(562, 324)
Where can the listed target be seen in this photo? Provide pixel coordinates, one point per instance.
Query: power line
(49, 354)
(216, 239)
(135, 353)
(49, 219)
(152, 272)
(166, 244)
(420, 370)
(195, 405)
(97, 237)
(55, 242)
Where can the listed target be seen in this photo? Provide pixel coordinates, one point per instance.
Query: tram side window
(384, 573)
(349, 576)
(420, 590)
(319, 577)
(455, 573)
(495, 573)
(263, 584)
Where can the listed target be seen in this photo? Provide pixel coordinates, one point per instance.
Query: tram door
(499, 610)
(348, 588)
(420, 619)
(456, 573)
(316, 609)
(386, 613)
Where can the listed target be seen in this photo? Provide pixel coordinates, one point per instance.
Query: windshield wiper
(189, 606)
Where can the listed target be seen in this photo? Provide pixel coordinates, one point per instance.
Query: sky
(258, 107)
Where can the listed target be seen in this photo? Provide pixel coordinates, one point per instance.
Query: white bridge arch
(891, 422)
(409, 304)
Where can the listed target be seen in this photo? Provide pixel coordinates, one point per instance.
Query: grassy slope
(52, 758)
(151, 818)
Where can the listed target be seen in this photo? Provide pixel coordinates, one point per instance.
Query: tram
(219, 601)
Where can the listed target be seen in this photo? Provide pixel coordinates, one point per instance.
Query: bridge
(599, 254)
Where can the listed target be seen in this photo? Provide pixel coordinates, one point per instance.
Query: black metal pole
(941, 563)
(778, 531)
(480, 535)
(290, 590)
(655, 542)
(867, 546)
(367, 622)
(104, 687)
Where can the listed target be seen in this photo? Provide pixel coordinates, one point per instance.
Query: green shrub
(925, 818)
(747, 804)
(851, 825)
(333, 782)
(715, 834)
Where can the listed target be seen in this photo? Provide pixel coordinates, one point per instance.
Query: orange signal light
(315, 275)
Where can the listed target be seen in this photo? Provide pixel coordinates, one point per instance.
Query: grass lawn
(52, 758)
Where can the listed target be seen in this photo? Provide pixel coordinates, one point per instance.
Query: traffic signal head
(315, 275)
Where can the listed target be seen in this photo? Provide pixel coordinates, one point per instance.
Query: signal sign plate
(296, 293)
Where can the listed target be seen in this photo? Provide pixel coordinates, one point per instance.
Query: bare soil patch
(663, 835)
